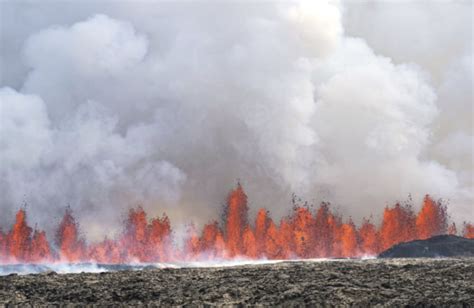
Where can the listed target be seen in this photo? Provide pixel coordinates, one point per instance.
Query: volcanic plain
(383, 282)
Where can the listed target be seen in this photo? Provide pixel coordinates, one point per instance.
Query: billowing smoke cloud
(437, 37)
(167, 104)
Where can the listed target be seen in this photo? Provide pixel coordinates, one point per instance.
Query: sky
(105, 105)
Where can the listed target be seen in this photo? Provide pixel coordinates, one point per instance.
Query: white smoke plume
(107, 105)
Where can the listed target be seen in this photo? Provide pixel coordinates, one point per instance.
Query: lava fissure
(302, 234)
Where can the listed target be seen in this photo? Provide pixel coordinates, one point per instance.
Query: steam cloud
(114, 104)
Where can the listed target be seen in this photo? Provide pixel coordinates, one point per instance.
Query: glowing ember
(302, 234)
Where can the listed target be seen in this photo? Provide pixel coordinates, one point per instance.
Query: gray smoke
(108, 105)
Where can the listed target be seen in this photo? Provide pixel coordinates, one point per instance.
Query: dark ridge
(440, 246)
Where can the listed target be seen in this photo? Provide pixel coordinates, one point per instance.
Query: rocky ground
(388, 282)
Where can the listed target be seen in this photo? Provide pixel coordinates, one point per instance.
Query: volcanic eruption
(303, 234)
(236, 153)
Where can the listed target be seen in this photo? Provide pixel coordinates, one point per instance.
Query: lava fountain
(304, 234)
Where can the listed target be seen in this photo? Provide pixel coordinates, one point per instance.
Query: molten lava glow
(398, 225)
(19, 237)
(71, 247)
(369, 239)
(302, 234)
(468, 230)
(236, 221)
(432, 219)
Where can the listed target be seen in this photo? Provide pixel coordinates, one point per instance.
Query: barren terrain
(388, 282)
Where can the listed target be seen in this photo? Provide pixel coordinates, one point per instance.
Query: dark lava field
(378, 282)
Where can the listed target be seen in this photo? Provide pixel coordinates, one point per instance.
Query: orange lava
(302, 234)
(468, 230)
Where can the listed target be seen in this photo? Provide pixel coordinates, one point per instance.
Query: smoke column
(107, 105)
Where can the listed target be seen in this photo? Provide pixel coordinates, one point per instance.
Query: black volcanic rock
(340, 283)
(434, 247)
